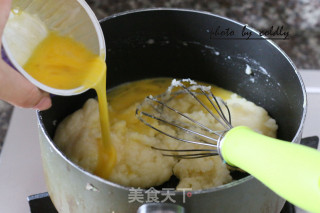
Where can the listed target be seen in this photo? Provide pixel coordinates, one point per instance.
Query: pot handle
(160, 208)
(291, 170)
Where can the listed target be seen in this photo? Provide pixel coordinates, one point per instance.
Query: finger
(17, 90)
(5, 6)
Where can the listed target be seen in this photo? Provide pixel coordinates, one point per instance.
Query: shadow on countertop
(5, 115)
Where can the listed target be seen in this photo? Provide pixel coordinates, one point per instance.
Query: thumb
(17, 90)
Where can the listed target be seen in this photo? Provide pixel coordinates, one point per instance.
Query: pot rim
(203, 191)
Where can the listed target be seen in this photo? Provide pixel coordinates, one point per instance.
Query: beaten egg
(61, 62)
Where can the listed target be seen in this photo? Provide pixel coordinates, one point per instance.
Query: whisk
(290, 170)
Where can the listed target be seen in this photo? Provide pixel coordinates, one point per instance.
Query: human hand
(15, 88)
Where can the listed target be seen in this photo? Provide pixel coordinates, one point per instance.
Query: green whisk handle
(290, 170)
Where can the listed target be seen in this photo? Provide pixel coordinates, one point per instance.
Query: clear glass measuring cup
(30, 21)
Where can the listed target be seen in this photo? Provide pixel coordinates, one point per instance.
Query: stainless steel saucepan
(180, 43)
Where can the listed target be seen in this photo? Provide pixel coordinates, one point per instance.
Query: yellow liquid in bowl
(62, 63)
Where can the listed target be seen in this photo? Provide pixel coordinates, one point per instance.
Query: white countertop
(21, 171)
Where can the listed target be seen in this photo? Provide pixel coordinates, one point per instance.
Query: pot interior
(176, 43)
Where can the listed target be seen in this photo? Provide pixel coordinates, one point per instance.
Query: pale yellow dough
(138, 165)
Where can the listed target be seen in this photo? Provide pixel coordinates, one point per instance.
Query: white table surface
(21, 171)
